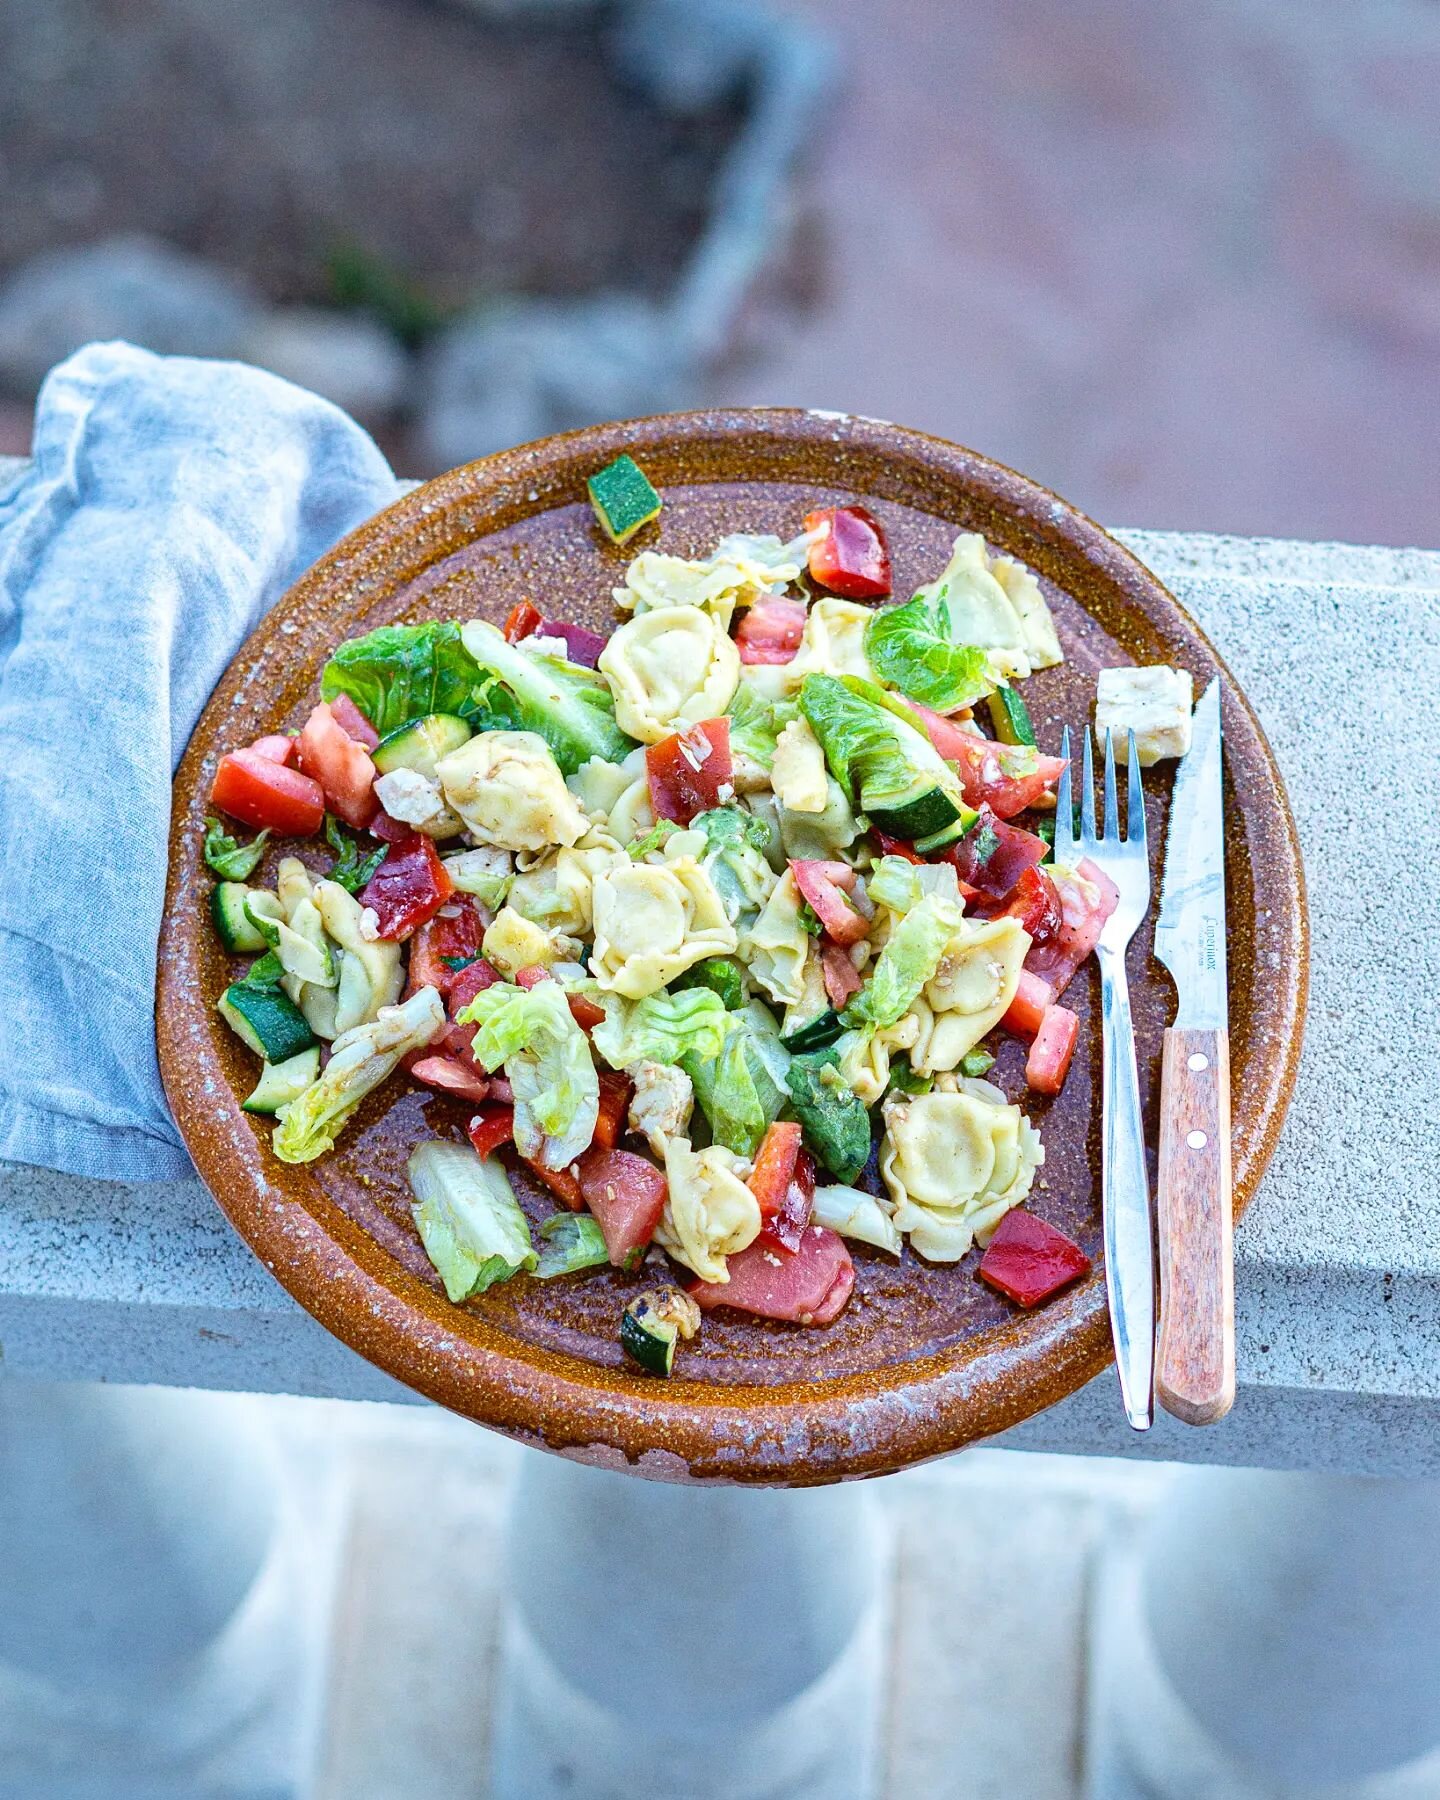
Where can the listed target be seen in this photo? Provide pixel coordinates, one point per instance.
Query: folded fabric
(168, 504)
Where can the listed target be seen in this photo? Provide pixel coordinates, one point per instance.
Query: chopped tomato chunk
(687, 770)
(627, 1195)
(1027, 1009)
(770, 631)
(1029, 1260)
(564, 1184)
(410, 886)
(277, 747)
(341, 766)
(522, 620)
(786, 1227)
(848, 552)
(824, 885)
(444, 945)
(842, 978)
(586, 1014)
(614, 1106)
(490, 1129)
(451, 1077)
(1049, 1060)
(353, 722)
(808, 1288)
(892, 846)
(1087, 899)
(775, 1166)
(265, 794)
(1006, 777)
(992, 856)
(532, 976)
(473, 979)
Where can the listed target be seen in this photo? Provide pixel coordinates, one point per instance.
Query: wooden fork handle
(1195, 1372)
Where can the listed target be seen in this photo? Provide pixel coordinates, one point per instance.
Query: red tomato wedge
(410, 886)
(1029, 1260)
(787, 1227)
(582, 647)
(564, 1184)
(342, 767)
(687, 770)
(1085, 905)
(824, 885)
(842, 978)
(992, 856)
(586, 1014)
(1027, 1009)
(1006, 777)
(451, 1077)
(774, 1168)
(388, 830)
(848, 553)
(1036, 904)
(770, 631)
(265, 794)
(1049, 1060)
(808, 1288)
(353, 722)
(614, 1107)
(490, 1129)
(532, 976)
(627, 1195)
(454, 933)
(520, 622)
(276, 748)
(473, 979)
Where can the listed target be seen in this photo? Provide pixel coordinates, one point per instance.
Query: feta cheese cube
(1155, 703)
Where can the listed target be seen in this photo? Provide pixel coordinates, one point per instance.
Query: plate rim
(865, 1423)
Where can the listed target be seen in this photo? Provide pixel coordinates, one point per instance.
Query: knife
(1195, 1368)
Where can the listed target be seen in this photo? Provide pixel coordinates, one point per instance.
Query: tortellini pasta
(598, 784)
(865, 1056)
(797, 774)
(833, 643)
(652, 922)
(824, 836)
(777, 945)
(709, 1212)
(740, 571)
(969, 993)
(556, 893)
(370, 971)
(508, 789)
(954, 1164)
(997, 604)
(669, 669)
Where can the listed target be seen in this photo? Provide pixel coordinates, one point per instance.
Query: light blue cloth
(169, 503)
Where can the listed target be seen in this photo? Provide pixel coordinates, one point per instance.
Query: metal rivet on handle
(1197, 1140)
(1199, 1060)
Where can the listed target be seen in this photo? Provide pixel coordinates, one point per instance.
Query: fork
(1125, 1186)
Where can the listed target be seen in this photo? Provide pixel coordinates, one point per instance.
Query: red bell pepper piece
(520, 622)
(341, 766)
(490, 1129)
(614, 1108)
(473, 979)
(564, 1184)
(1029, 1260)
(774, 1166)
(627, 1195)
(1049, 1060)
(770, 631)
(264, 794)
(277, 747)
(824, 885)
(532, 976)
(353, 722)
(786, 1229)
(450, 938)
(687, 770)
(848, 552)
(410, 886)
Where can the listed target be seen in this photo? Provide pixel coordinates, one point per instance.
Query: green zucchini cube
(623, 499)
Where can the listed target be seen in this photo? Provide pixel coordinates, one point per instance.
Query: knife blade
(1195, 1357)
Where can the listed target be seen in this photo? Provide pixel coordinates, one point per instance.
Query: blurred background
(1180, 263)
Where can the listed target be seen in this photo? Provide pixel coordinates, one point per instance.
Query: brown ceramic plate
(925, 1359)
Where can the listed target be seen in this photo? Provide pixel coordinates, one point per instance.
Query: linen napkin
(168, 504)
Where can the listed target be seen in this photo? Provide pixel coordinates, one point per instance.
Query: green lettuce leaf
(832, 1116)
(870, 749)
(547, 1063)
(721, 974)
(571, 1241)
(468, 1218)
(661, 1028)
(914, 648)
(898, 884)
(742, 1090)
(230, 860)
(399, 673)
(735, 861)
(350, 869)
(911, 956)
(756, 722)
(569, 706)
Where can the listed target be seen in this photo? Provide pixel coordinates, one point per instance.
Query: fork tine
(1064, 807)
(1135, 799)
(1112, 805)
(1087, 794)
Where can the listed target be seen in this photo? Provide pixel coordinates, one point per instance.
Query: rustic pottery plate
(925, 1359)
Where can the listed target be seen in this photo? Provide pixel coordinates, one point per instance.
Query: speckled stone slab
(1338, 1276)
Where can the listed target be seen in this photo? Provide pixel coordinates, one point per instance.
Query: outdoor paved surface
(1180, 263)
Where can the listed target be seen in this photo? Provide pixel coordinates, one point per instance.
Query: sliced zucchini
(651, 1325)
(920, 812)
(265, 1021)
(1010, 717)
(939, 839)
(266, 914)
(233, 924)
(280, 1083)
(623, 499)
(421, 744)
(815, 1033)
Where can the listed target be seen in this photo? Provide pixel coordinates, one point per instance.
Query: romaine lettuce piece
(468, 1218)
(569, 706)
(834, 1118)
(898, 885)
(756, 722)
(742, 1090)
(735, 861)
(571, 1241)
(915, 647)
(661, 1028)
(360, 1059)
(547, 1063)
(880, 760)
(398, 673)
(722, 975)
(910, 958)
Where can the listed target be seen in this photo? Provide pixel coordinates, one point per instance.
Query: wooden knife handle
(1195, 1371)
